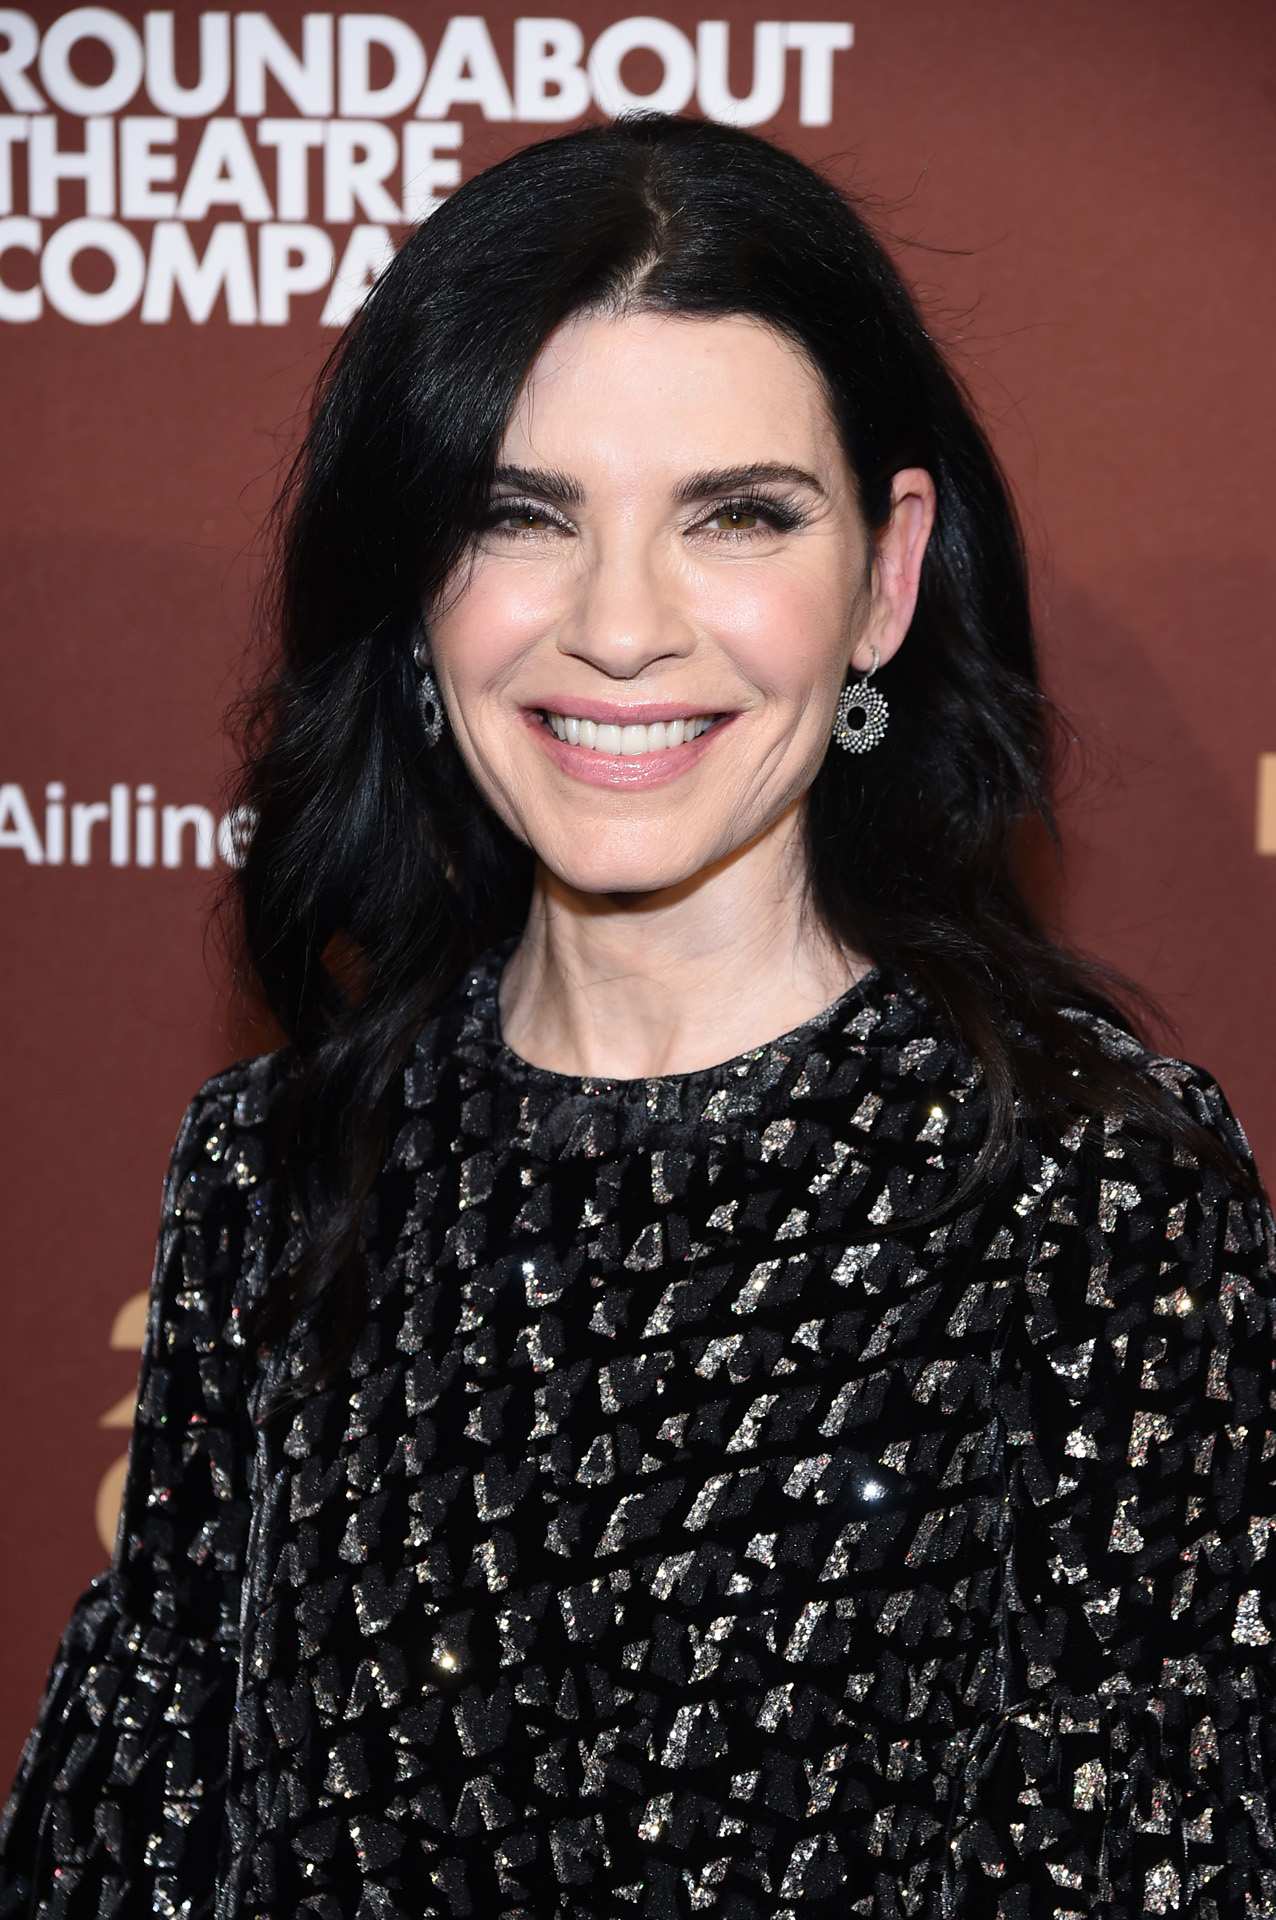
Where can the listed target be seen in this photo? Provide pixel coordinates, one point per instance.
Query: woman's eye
(751, 516)
(526, 520)
(521, 517)
(735, 520)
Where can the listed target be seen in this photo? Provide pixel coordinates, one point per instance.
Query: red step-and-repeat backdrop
(191, 203)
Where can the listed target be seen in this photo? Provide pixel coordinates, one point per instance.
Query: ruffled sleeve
(119, 1804)
(1131, 1771)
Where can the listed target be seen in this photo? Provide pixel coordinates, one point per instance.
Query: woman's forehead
(727, 385)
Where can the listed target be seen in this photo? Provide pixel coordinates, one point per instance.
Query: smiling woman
(714, 1371)
(643, 654)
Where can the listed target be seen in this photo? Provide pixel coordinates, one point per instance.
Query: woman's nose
(627, 612)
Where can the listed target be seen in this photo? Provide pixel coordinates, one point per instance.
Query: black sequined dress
(692, 1531)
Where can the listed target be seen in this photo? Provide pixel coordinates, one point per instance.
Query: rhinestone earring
(862, 714)
(428, 696)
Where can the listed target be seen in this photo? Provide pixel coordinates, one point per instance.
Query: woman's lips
(626, 750)
(627, 737)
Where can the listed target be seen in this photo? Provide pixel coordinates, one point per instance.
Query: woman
(595, 1456)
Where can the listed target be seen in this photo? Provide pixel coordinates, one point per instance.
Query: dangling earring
(869, 703)
(428, 696)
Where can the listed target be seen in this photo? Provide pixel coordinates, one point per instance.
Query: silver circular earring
(428, 696)
(862, 714)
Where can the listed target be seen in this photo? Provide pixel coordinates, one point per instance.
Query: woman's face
(641, 657)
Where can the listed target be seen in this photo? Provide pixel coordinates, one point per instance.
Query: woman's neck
(633, 986)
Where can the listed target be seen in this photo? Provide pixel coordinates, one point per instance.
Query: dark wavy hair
(376, 873)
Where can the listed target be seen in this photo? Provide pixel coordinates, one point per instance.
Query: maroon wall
(1083, 196)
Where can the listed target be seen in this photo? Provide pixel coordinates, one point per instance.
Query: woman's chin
(609, 873)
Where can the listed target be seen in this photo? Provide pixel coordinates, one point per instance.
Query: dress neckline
(481, 990)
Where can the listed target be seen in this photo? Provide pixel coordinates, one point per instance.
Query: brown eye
(527, 520)
(735, 520)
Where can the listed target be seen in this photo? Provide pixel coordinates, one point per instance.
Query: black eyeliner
(785, 519)
(498, 510)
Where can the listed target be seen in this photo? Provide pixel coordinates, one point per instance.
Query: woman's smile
(629, 737)
(612, 746)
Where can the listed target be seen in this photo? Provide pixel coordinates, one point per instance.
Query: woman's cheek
(783, 635)
(498, 619)
(745, 616)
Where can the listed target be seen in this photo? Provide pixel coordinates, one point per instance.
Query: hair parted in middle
(370, 844)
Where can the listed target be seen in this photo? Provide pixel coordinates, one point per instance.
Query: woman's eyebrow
(544, 482)
(700, 486)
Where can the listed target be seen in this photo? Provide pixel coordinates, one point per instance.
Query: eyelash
(781, 518)
(502, 510)
(774, 513)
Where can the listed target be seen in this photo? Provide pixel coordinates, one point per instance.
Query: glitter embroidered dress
(692, 1531)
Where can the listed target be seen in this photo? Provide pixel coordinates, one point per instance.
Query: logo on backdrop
(128, 1331)
(100, 185)
(130, 828)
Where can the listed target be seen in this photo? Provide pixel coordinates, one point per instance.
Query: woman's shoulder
(1157, 1249)
(242, 1095)
(1194, 1091)
(244, 1092)
(1181, 1138)
(225, 1141)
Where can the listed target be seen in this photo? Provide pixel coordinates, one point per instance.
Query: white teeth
(603, 737)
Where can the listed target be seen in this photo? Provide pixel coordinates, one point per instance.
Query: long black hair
(376, 873)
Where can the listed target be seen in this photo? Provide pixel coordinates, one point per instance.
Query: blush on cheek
(792, 643)
(504, 609)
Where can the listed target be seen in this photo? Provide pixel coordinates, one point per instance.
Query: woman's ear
(898, 550)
